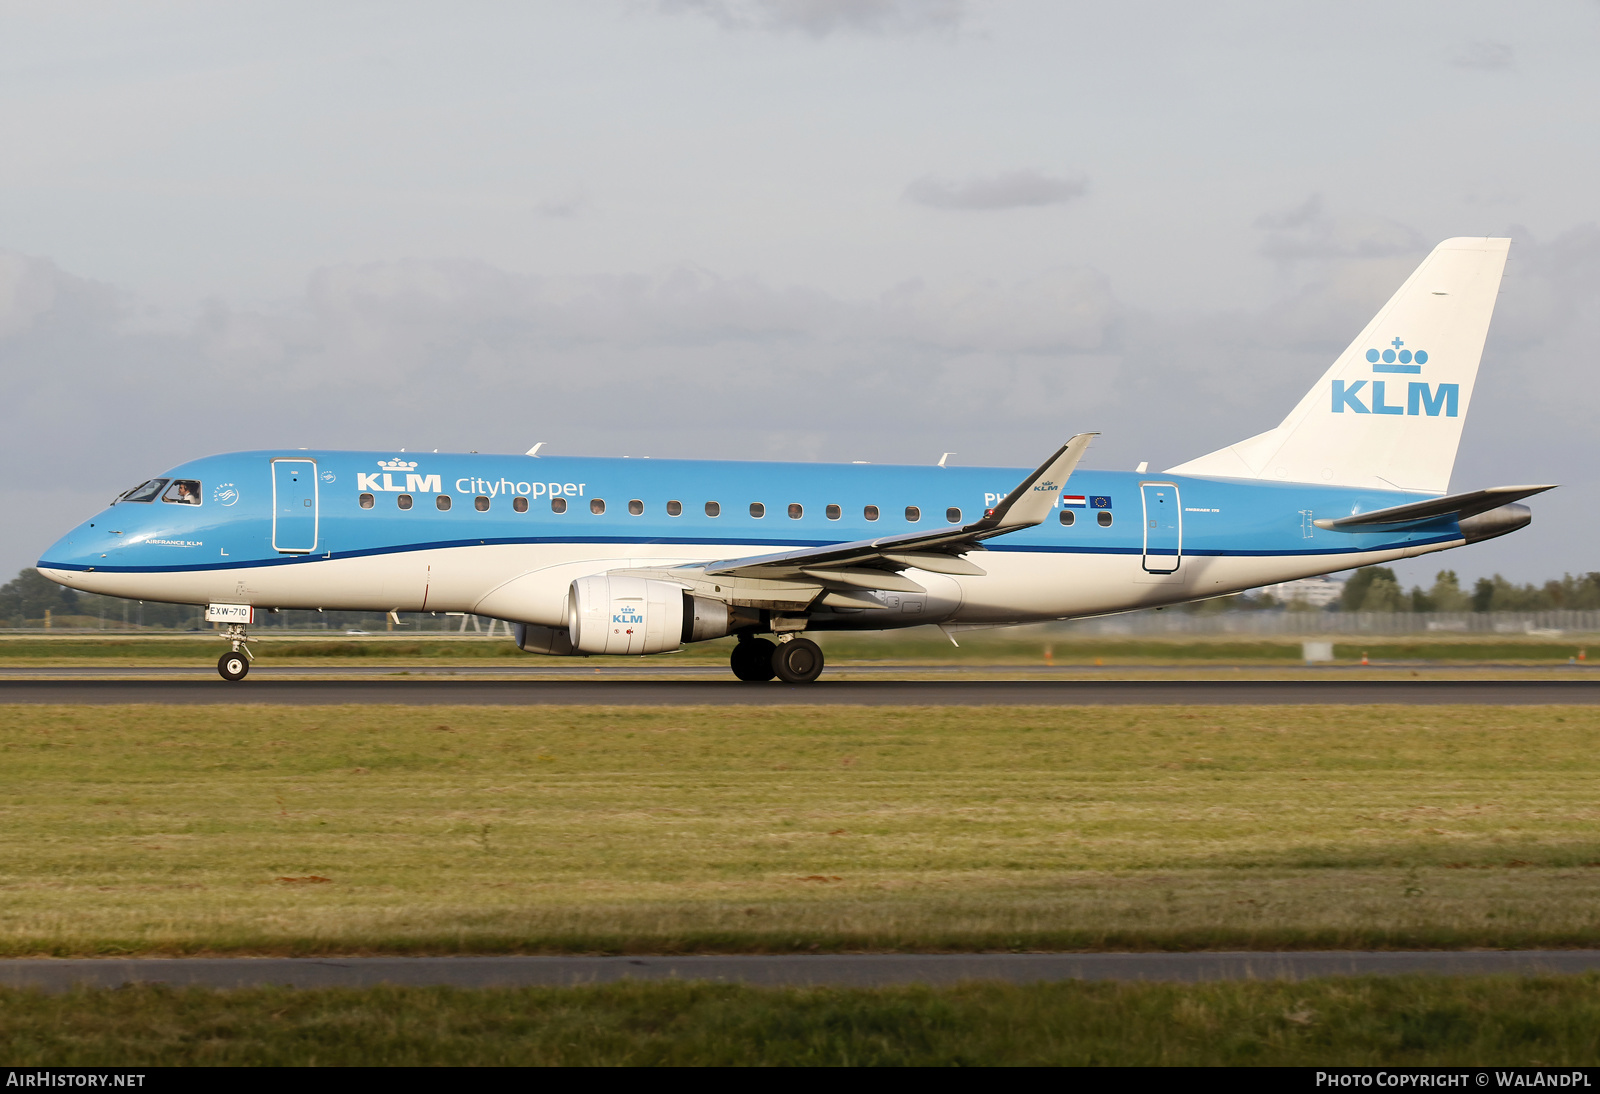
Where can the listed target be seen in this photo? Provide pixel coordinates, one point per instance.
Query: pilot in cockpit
(184, 492)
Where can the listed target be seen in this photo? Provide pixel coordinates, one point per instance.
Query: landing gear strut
(235, 665)
(752, 659)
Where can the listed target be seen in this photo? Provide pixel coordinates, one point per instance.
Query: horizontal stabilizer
(1456, 506)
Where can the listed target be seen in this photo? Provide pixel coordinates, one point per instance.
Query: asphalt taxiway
(775, 970)
(602, 691)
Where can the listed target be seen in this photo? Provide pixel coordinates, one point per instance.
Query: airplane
(608, 556)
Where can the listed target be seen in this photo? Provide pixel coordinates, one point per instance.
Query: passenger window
(833, 512)
(403, 501)
(1067, 517)
(913, 514)
(757, 509)
(597, 506)
(1104, 518)
(183, 492)
(443, 502)
(870, 512)
(636, 507)
(674, 508)
(480, 503)
(713, 509)
(519, 505)
(146, 491)
(366, 501)
(558, 505)
(796, 511)
(953, 515)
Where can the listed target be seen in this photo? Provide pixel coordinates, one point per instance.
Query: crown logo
(397, 465)
(1404, 356)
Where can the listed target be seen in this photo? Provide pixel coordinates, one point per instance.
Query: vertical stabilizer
(1389, 413)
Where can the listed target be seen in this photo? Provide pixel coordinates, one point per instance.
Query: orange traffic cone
(1363, 657)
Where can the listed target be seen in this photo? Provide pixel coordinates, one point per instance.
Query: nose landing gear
(235, 665)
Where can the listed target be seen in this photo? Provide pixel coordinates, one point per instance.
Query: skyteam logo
(1421, 398)
(414, 484)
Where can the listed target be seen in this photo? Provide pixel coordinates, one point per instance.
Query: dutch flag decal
(1074, 501)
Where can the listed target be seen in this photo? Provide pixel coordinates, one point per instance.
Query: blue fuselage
(328, 529)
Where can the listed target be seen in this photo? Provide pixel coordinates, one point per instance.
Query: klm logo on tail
(1421, 398)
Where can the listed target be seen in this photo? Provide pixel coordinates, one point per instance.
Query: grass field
(1030, 646)
(248, 829)
(1394, 1022)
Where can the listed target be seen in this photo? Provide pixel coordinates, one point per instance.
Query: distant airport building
(1318, 592)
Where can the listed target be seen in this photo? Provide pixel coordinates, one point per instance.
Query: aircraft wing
(873, 563)
(1458, 506)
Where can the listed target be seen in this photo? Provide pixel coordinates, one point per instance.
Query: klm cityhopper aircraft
(628, 556)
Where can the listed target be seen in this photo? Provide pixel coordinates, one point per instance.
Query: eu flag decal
(1099, 501)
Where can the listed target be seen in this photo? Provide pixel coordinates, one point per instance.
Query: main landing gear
(792, 660)
(235, 665)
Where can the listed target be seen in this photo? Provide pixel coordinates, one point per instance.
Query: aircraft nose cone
(78, 551)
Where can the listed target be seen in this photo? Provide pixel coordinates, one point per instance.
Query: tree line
(1376, 589)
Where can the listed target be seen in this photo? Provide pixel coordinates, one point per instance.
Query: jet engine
(532, 638)
(618, 614)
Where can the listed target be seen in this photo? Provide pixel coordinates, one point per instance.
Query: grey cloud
(1484, 56)
(1006, 190)
(563, 208)
(1308, 231)
(35, 291)
(820, 18)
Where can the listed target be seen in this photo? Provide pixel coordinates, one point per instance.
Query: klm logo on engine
(1420, 398)
(628, 616)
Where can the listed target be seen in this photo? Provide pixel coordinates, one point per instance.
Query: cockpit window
(146, 491)
(183, 492)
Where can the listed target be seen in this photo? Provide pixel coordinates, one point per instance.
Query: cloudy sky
(776, 229)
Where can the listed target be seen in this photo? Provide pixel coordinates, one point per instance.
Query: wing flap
(866, 577)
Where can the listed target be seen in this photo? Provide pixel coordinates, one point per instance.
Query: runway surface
(613, 692)
(775, 970)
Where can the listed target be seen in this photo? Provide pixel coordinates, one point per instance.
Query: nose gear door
(294, 506)
(1163, 527)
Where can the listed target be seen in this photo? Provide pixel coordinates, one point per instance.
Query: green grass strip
(324, 830)
(1462, 1021)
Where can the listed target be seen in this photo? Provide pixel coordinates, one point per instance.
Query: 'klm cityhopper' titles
(384, 482)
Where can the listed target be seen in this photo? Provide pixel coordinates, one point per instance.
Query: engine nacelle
(618, 614)
(554, 641)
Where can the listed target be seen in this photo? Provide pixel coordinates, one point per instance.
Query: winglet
(1030, 503)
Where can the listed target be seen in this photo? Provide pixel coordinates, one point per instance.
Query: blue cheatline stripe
(1042, 549)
